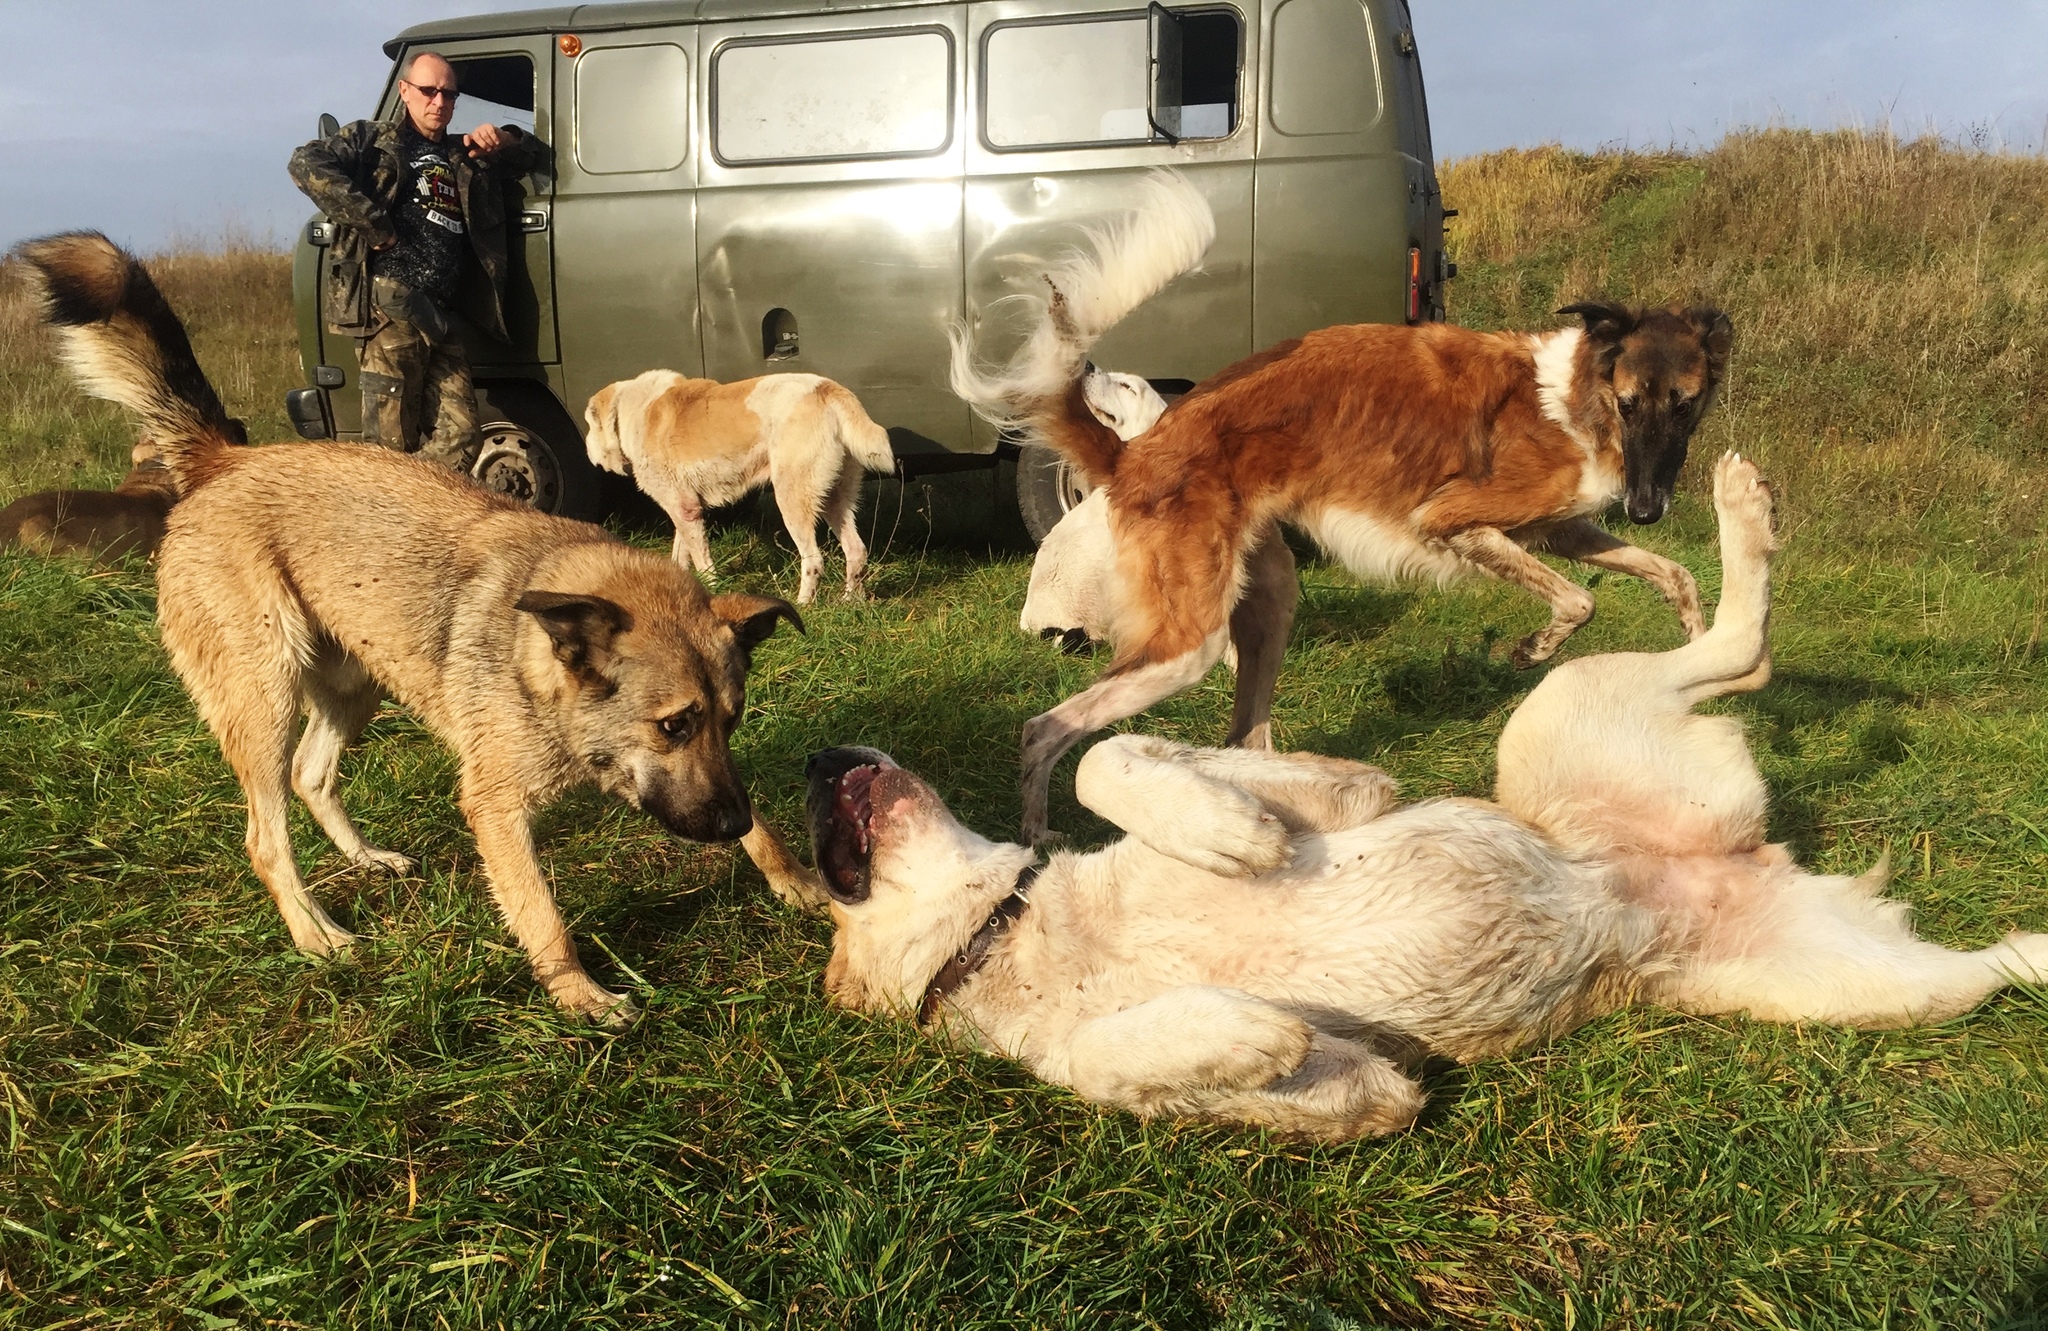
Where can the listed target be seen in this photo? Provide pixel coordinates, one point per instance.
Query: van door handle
(533, 219)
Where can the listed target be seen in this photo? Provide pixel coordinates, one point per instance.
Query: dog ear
(1605, 319)
(752, 618)
(1717, 336)
(582, 626)
(1606, 323)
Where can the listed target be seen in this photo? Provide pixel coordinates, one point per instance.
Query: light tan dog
(321, 577)
(1276, 940)
(693, 444)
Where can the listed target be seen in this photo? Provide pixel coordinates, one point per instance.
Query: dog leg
(1832, 949)
(1142, 784)
(1584, 542)
(693, 543)
(1259, 626)
(799, 510)
(340, 700)
(504, 840)
(1169, 1054)
(1735, 655)
(1228, 811)
(842, 514)
(786, 875)
(256, 738)
(1571, 605)
(1121, 696)
(1341, 1091)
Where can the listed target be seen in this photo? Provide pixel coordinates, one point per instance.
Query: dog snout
(1643, 510)
(727, 818)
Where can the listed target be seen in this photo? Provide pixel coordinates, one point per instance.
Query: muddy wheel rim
(519, 465)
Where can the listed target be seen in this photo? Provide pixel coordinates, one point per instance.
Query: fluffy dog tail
(866, 441)
(1122, 266)
(124, 343)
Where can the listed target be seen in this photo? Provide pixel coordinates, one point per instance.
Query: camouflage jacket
(354, 178)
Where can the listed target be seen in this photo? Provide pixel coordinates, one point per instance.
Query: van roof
(604, 18)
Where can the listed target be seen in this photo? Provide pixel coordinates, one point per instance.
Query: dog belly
(1377, 550)
(1450, 924)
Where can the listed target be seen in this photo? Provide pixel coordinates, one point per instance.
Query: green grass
(203, 1127)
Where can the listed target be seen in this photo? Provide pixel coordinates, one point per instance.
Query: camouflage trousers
(417, 395)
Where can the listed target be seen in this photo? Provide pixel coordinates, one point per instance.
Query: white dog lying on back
(1275, 939)
(693, 444)
(1072, 577)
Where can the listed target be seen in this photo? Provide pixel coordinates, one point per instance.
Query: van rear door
(1337, 196)
(828, 206)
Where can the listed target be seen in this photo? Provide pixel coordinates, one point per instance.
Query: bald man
(411, 205)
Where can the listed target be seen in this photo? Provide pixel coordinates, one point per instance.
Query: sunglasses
(430, 94)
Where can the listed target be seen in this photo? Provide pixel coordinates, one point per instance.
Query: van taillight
(1414, 285)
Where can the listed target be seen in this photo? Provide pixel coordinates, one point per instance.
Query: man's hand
(485, 140)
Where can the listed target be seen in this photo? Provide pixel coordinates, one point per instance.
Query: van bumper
(309, 413)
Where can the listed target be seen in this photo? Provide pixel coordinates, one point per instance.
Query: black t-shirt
(428, 255)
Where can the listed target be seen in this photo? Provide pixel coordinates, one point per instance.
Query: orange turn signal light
(570, 44)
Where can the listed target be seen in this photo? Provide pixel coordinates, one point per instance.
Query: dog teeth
(855, 804)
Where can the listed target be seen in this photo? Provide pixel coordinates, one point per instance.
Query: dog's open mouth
(844, 857)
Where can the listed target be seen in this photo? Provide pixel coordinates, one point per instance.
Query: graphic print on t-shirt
(435, 183)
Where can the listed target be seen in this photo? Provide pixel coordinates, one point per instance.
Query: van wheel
(531, 453)
(1048, 488)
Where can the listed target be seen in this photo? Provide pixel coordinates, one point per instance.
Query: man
(408, 203)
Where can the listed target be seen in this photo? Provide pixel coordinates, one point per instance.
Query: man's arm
(508, 150)
(325, 169)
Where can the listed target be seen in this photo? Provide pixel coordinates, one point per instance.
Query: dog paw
(804, 890)
(1529, 653)
(1742, 496)
(1236, 848)
(322, 937)
(1256, 1045)
(390, 861)
(598, 1005)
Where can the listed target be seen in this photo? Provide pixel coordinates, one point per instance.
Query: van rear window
(1085, 82)
(823, 97)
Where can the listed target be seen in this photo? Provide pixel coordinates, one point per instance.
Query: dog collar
(970, 958)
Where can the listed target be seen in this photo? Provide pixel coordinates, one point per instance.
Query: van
(742, 187)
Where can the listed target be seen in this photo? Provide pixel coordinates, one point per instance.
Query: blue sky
(168, 121)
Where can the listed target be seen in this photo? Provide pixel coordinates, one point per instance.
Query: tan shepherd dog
(1408, 452)
(320, 577)
(1277, 940)
(693, 444)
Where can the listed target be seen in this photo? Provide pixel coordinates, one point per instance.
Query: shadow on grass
(1877, 740)
(2027, 1309)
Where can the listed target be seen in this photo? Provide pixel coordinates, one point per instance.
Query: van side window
(1325, 79)
(496, 90)
(632, 108)
(1084, 82)
(860, 95)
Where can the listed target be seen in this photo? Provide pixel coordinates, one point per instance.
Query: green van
(741, 187)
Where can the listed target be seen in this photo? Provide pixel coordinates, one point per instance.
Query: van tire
(531, 451)
(1048, 488)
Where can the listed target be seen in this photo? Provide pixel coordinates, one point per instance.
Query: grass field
(204, 1128)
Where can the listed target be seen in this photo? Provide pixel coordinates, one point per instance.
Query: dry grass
(236, 303)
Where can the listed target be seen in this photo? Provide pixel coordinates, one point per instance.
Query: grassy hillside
(203, 1129)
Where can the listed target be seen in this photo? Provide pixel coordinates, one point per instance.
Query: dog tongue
(853, 800)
